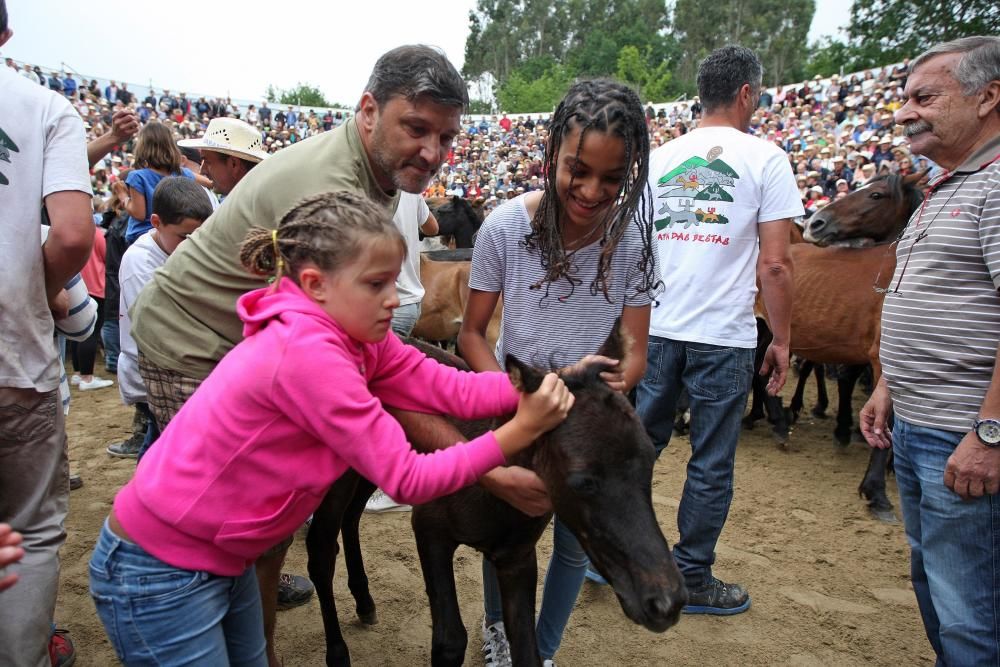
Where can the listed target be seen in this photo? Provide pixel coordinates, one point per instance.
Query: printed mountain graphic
(7, 146)
(722, 168)
(686, 166)
(714, 192)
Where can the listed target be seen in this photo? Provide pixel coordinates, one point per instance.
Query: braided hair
(327, 230)
(609, 107)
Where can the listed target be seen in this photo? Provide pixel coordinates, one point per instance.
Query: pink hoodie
(282, 416)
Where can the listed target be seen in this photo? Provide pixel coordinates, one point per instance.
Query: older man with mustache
(939, 350)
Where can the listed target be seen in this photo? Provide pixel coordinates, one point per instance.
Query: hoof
(781, 439)
(884, 515)
(369, 618)
(819, 413)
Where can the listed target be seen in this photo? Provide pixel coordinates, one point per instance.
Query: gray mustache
(916, 127)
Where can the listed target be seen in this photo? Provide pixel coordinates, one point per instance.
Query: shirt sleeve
(989, 230)
(780, 197)
(488, 256)
(65, 160)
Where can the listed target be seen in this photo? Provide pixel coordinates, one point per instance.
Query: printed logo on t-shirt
(695, 194)
(7, 146)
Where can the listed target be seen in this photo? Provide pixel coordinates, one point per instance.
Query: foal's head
(598, 468)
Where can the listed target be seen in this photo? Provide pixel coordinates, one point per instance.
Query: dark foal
(457, 219)
(598, 468)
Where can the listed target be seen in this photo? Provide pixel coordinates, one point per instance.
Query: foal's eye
(584, 485)
(875, 195)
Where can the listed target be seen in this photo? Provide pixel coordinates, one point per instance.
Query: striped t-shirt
(559, 328)
(941, 317)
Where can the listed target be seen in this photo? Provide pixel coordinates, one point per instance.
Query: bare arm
(124, 125)
(430, 225)
(635, 322)
(472, 336)
(70, 239)
(973, 469)
(774, 269)
(135, 203)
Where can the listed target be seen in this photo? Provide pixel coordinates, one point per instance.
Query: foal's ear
(618, 344)
(524, 378)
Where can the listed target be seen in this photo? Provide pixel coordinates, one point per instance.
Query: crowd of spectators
(838, 132)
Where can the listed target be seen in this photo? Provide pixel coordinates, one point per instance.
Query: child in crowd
(157, 157)
(253, 452)
(179, 207)
(84, 352)
(569, 260)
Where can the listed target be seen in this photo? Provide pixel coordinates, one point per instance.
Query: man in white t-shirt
(411, 215)
(43, 162)
(723, 204)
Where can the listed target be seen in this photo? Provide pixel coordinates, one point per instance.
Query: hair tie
(279, 262)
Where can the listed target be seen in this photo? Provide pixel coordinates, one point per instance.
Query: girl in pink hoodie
(283, 415)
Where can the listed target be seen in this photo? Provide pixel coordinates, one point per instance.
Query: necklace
(576, 244)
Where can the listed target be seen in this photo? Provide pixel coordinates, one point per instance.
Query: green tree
(652, 83)
(301, 94)
(480, 107)
(521, 94)
(886, 31)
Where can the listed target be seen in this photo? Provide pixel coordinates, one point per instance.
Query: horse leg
(847, 378)
(321, 545)
(518, 575)
(756, 405)
(436, 549)
(757, 388)
(357, 578)
(822, 400)
(800, 388)
(872, 487)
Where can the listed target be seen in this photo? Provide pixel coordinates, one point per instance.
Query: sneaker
(96, 383)
(381, 502)
(548, 663)
(74, 379)
(717, 598)
(62, 653)
(127, 449)
(75, 482)
(496, 649)
(595, 576)
(293, 591)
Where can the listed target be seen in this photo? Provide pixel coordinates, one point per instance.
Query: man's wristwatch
(988, 431)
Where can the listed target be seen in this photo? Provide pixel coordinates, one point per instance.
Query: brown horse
(445, 277)
(837, 304)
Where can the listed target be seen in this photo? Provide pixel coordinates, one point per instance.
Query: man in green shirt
(184, 321)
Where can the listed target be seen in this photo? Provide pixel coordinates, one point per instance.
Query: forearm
(100, 147)
(777, 289)
(991, 402)
(476, 352)
(425, 432)
(70, 239)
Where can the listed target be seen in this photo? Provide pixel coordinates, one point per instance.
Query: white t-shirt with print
(711, 188)
(410, 214)
(43, 150)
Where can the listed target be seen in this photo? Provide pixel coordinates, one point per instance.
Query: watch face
(989, 431)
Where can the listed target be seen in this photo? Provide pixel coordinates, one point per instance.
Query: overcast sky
(237, 49)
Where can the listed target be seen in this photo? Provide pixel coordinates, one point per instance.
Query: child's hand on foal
(614, 376)
(545, 408)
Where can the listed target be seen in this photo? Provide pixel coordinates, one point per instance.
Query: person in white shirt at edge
(411, 214)
(725, 201)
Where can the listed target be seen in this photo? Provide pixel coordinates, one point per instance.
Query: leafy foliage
(521, 94)
(301, 94)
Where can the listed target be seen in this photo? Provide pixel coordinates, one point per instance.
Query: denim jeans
(717, 380)
(152, 430)
(563, 580)
(954, 549)
(112, 345)
(404, 318)
(156, 614)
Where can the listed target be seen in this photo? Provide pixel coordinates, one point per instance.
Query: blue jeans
(954, 549)
(112, 346)
(404, 318)
(563, 581)
(152, 430)
(156, 614)
(717, 380)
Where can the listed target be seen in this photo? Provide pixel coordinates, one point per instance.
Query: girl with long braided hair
(254, 450)
(569, 262)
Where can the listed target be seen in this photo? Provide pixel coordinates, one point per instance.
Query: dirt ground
(829, 584)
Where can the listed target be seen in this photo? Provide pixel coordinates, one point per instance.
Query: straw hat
(230, 137)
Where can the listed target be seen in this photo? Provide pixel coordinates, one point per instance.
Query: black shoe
(129, 449)
(293, 591)
(717, 598)
(75, 482)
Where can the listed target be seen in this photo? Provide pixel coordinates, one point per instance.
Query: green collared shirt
(185, 319)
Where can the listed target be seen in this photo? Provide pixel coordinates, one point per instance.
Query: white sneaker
(496, 649)
(548, 663)
(74, 379)
(381, 502)
(96, 383)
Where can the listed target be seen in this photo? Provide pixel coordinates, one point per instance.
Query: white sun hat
(231, 137)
